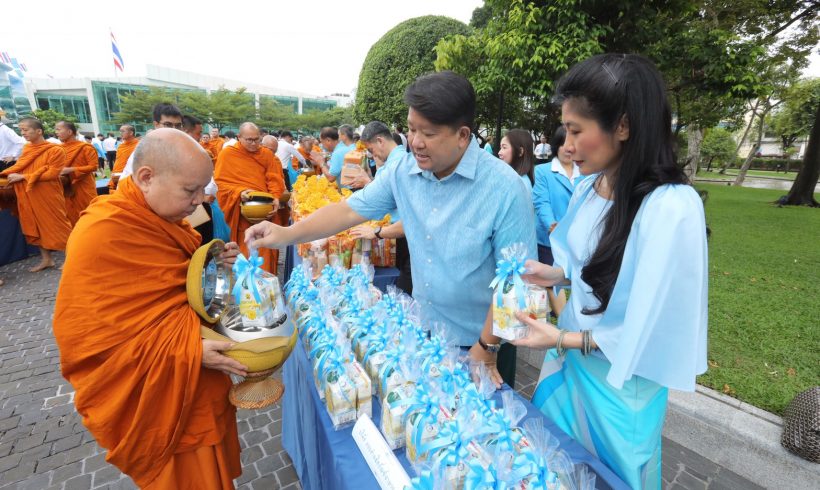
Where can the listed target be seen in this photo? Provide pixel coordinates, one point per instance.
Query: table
(12, 242)
(382, 277)
(325, 458)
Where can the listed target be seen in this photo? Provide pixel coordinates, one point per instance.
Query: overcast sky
(313, 46)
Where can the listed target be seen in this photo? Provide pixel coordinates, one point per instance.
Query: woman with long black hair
(632, 248)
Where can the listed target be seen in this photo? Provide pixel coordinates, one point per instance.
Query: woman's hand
(541, 335)
(230, 253)
(212, 358)
(267, 235)
(363, 231)
(490, 360)
(13, 178)
(542, 274)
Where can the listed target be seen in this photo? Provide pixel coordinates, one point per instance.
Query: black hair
(397, 139)
(70, 125)
(347, 130)
(444, 98)
(376, 128)
(33, 122)
(522, 163)
(611, 89)
(329, 132)
(166, 109)
(285, 134)
(557, 140)
(399, 128)
(230, 134)
(190, 122)
(100, 134)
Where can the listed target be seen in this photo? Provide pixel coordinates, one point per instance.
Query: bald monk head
(171, 170)
(249, 137)
(32, 130)
(271, 143)
(214, 133)
(128, 132)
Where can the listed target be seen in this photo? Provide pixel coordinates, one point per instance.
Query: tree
(718, 147)
(137, 108)
(795, 117)
(50, 117)
(394, 61)
(802, 191)
(231, 108)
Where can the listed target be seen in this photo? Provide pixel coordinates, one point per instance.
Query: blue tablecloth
(12, 242)
(326, 459)
(382, 277)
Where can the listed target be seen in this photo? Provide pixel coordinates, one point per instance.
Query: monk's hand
(228, 256)
(212, 358)
(276, 205)
(67, 171)
(265, 234)
(16, 178)
(542, 274)
(245, 195)
(541, 335)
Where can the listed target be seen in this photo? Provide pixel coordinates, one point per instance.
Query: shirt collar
(466, 167)
(557, 167)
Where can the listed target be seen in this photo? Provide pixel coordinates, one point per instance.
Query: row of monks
(150, 390)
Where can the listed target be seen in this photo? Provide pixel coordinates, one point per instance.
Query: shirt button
(429, 237)
(429, 261)
(427, 284)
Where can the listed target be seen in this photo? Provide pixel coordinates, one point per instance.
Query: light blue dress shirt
(551, 195)
(396, 154)
(337, 159)
(97, 144)
(455, 229)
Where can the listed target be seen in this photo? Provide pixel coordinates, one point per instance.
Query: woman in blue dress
(632, 248)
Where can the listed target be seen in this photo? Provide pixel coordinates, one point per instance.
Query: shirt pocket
(466, 249)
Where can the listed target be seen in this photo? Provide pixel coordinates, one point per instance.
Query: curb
(733, 434)
(740, 437)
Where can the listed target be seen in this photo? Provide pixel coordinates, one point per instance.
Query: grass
(764, 296)
(732, 173)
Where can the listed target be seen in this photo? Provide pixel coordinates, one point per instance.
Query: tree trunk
(741, 175)
(802, 191)
(745, 134)
(694, 139)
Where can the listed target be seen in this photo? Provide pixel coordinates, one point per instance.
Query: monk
(148, 388)
(126, 148)
(241, 169)
(41, 204)
(205, 141)
(81, 165)
(216, 142)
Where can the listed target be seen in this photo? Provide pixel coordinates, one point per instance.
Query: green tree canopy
(718, 146)
(394, 61)
(50, 117)
(796, 114)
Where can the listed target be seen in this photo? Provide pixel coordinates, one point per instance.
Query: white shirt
(285, 151)
(80, 137)
(54, 140)
(557, 167)
(230, 142)
(403, 139)
(542, 150)
(11, 144)
(109, 144)
(211, 188)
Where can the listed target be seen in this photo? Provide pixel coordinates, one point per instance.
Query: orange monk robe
(216, 145)
(41, 206)
(82, 157)
(318, 168)
(305, 155)
(124, 151)
(237, 170)
(132, 349)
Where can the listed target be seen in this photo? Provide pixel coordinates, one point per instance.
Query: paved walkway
(43, 444)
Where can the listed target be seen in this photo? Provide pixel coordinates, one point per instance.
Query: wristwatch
(378, 233)
(491, 348)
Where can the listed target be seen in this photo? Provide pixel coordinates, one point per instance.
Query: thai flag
(5, 58)
(117, 56)
(23, 66)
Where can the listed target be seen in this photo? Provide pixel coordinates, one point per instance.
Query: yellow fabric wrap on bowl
(259, 354)
(194, 286)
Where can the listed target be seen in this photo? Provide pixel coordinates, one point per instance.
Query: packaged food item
(394, 410)
(511, 294)
(347, 394)
(252, 292)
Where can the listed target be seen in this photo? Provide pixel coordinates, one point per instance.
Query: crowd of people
(600, 206)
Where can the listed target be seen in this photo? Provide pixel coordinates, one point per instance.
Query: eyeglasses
(167, 124)
(252, 140)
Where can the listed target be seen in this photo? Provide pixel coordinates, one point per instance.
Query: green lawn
(764, 296)
(732, 173)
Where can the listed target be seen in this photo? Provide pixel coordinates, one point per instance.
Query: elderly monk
(149, 389)
(80, 168)
(40, 200)
(240, 170)
(124, 151)
(216, 142)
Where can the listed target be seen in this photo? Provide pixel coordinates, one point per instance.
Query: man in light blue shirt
(333, 170)
(460, 206)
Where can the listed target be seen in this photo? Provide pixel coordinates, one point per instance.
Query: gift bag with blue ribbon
(254, 291)
(512, 294)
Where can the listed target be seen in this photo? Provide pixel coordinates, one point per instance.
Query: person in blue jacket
(632, 248)
(554, 183)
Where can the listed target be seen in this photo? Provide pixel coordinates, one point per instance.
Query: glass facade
(283, 100)
(107, 99)
(70, 105)
(312, 105)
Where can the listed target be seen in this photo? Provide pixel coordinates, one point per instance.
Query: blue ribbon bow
(246, 271)
(511, 268)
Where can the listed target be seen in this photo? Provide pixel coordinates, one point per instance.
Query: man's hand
(267, 235)
(13, 178)
(542, 274)
(67, 171)
(212, 358)
(230, 253)
(479, 354)
(363, 231)
(360, 181)
(541, 335)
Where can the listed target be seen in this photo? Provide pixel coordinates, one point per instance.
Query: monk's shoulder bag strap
(801, 425)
